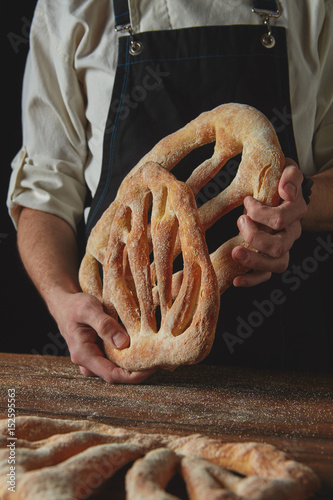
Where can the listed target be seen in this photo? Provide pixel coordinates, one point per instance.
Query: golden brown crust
(148, 477)
(123, 241)
(66, 460)
(186, 332)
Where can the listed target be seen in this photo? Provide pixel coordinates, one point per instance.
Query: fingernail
(241, 222)
(120, 339)
(241, 254)
(291, 189)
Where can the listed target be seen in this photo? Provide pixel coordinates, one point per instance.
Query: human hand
(284, 220)
(84, 324)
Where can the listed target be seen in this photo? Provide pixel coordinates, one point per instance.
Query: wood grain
(292, 411)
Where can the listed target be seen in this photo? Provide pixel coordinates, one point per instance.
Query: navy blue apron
(173, 76)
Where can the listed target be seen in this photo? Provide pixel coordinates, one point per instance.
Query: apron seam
(168, 13)
(113, 136)
(199, 57)
(279, 72)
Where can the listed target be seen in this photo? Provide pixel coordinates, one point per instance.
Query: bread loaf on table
(69, 460)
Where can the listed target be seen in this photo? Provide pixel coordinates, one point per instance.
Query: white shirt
(69, 79)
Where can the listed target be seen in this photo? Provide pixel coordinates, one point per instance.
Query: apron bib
(177, 75)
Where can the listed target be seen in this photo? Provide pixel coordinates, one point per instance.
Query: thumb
(290, 182)
(112, 332)
(106, 327)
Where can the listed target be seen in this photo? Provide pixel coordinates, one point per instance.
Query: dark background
(26, 325)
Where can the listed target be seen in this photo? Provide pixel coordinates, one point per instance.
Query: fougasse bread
(171, 317)
(69, 460)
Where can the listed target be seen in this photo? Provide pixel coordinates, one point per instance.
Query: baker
(102, 87)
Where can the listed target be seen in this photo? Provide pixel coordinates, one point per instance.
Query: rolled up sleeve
(48, 172)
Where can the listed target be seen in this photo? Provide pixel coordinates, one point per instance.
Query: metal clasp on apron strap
(123, 25)
(135, 46)
(267, 9)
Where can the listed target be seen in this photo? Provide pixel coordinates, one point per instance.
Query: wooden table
(292, 411)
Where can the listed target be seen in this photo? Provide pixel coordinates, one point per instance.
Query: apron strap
(121, 14)
(266, 7)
